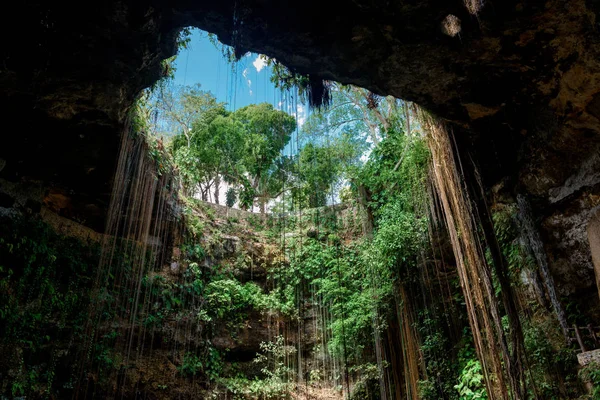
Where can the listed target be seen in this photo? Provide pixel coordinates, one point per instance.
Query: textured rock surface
(594, 238)
(519, 85)
(588, 357)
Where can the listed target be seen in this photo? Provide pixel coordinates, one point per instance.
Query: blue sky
(245, 82)
(239, 84)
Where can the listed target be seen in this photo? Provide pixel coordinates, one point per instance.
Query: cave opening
(369, 248)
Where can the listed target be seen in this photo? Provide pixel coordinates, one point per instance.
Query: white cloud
(248, 81)
(293, 109)
(301, 115)
(260, 62)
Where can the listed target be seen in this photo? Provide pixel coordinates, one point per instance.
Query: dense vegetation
(347, 271)
(384, 277)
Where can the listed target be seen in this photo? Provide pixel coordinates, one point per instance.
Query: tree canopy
(241, 148)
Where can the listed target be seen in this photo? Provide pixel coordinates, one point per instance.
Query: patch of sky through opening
(238, 84)
(203, 63)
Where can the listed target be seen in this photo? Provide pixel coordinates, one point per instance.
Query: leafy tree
(179, 107)
(357, 123)
(247, 194)
(230, 197)
(320, 169)
(241, 148)
(223, 146)
(356, 112)
(266, 132)
(202, 153)
(317, 172)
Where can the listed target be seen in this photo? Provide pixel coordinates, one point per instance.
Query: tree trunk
(363, 198)
(262, 205)
(217, 187)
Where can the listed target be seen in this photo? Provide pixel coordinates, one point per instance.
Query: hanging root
(142, 219)
(318, 93)
(475, 273)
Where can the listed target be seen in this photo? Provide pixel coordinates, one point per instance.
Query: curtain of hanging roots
(474, 272)
(411, 351)
(141, 220)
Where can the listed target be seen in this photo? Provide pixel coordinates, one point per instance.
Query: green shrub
(591, 373)
(192, 365)
(471, 383)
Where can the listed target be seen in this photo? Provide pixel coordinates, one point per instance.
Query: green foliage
(507, 233)
(368, 387)
(213, 145)
(191, 366)
(591, 373)
(406, 183)
(247, 195)
(255, 222)
(279, 300)
(275, 351)
(228, 297)
(286, 79)
(207, 139)
(184, 38)
(228, 52)
(317, 173)
(266, 131)
(230, 197)
(355, 113)
(471, 383)
(209, 365)
(44, 280)
(194, 224)
(242, 388)
(550, 360)
(180, 107)
(400, 236)
(442, 370)
(277, 381)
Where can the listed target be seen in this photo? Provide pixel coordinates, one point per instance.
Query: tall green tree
(266, 132)
(322, 167)
(318, 168)
(178, 108)
(205, 138)
(219, 146)
(242, 148)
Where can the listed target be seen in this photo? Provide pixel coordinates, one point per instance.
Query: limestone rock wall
(593, 231)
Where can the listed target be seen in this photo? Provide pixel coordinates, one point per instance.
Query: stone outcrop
(594, 238)
(588, 357)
